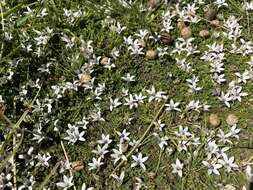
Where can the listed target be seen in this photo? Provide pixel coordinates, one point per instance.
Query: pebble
(181, 25)
(152, 3)
(186, 32)
(204, 33)
(84, 78)
(211, 14)
(123, 147)
(77, 165)
(215, 23)
(214, 120)
(151, 54)
(166, 38)
(232, 119)
(104, 60)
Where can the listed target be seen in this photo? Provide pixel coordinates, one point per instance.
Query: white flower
(249, 6)
(162, 51)
(160, 124)
(101, 151)
(162, 141)
(178, 168)
(139, 98)
(67, 182)
(119, 178)
(135, 48)
(219, 78)
(118, 28)
(236, 93)
(183, 132)
(38, 134)
(193, 105)
(95, 164)
(139, 184)
(118, 155)
(97, 116)
(224, 137)
(244, 76)
(43, 159)
(251, 58)
(172, 106)
(228, 162)
(212, 149)
(213, 167)
(234, 131)
(226, 98)
(131, 102)
(193, 84)
(105, 140)
(74, 135)
(221, 3)
(128, 78)
(85, 188)
(142, 33)
(158, 96)
(139, 160)
(114, 103)
(124, 136)
(249, 174)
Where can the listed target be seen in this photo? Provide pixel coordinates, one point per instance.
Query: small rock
(186, 32)
(166, 38)
(214, 120)
(204, 33)
(104, 60)
(151, 54)
(152, 3)
(232, 119)
(211, 14)
(123, 147)
(84, 78)
(215, 23)
(181, 25)
(77, 165)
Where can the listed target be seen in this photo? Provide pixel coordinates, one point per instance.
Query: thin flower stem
(247, 14)
(67, 160)
(14, 166)
(141, 139)
(159, 161)
(2, 22)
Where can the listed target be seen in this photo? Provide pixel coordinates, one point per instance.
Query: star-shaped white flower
(178, 168)
(66, 183)
(173, 106)
(139, 161)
